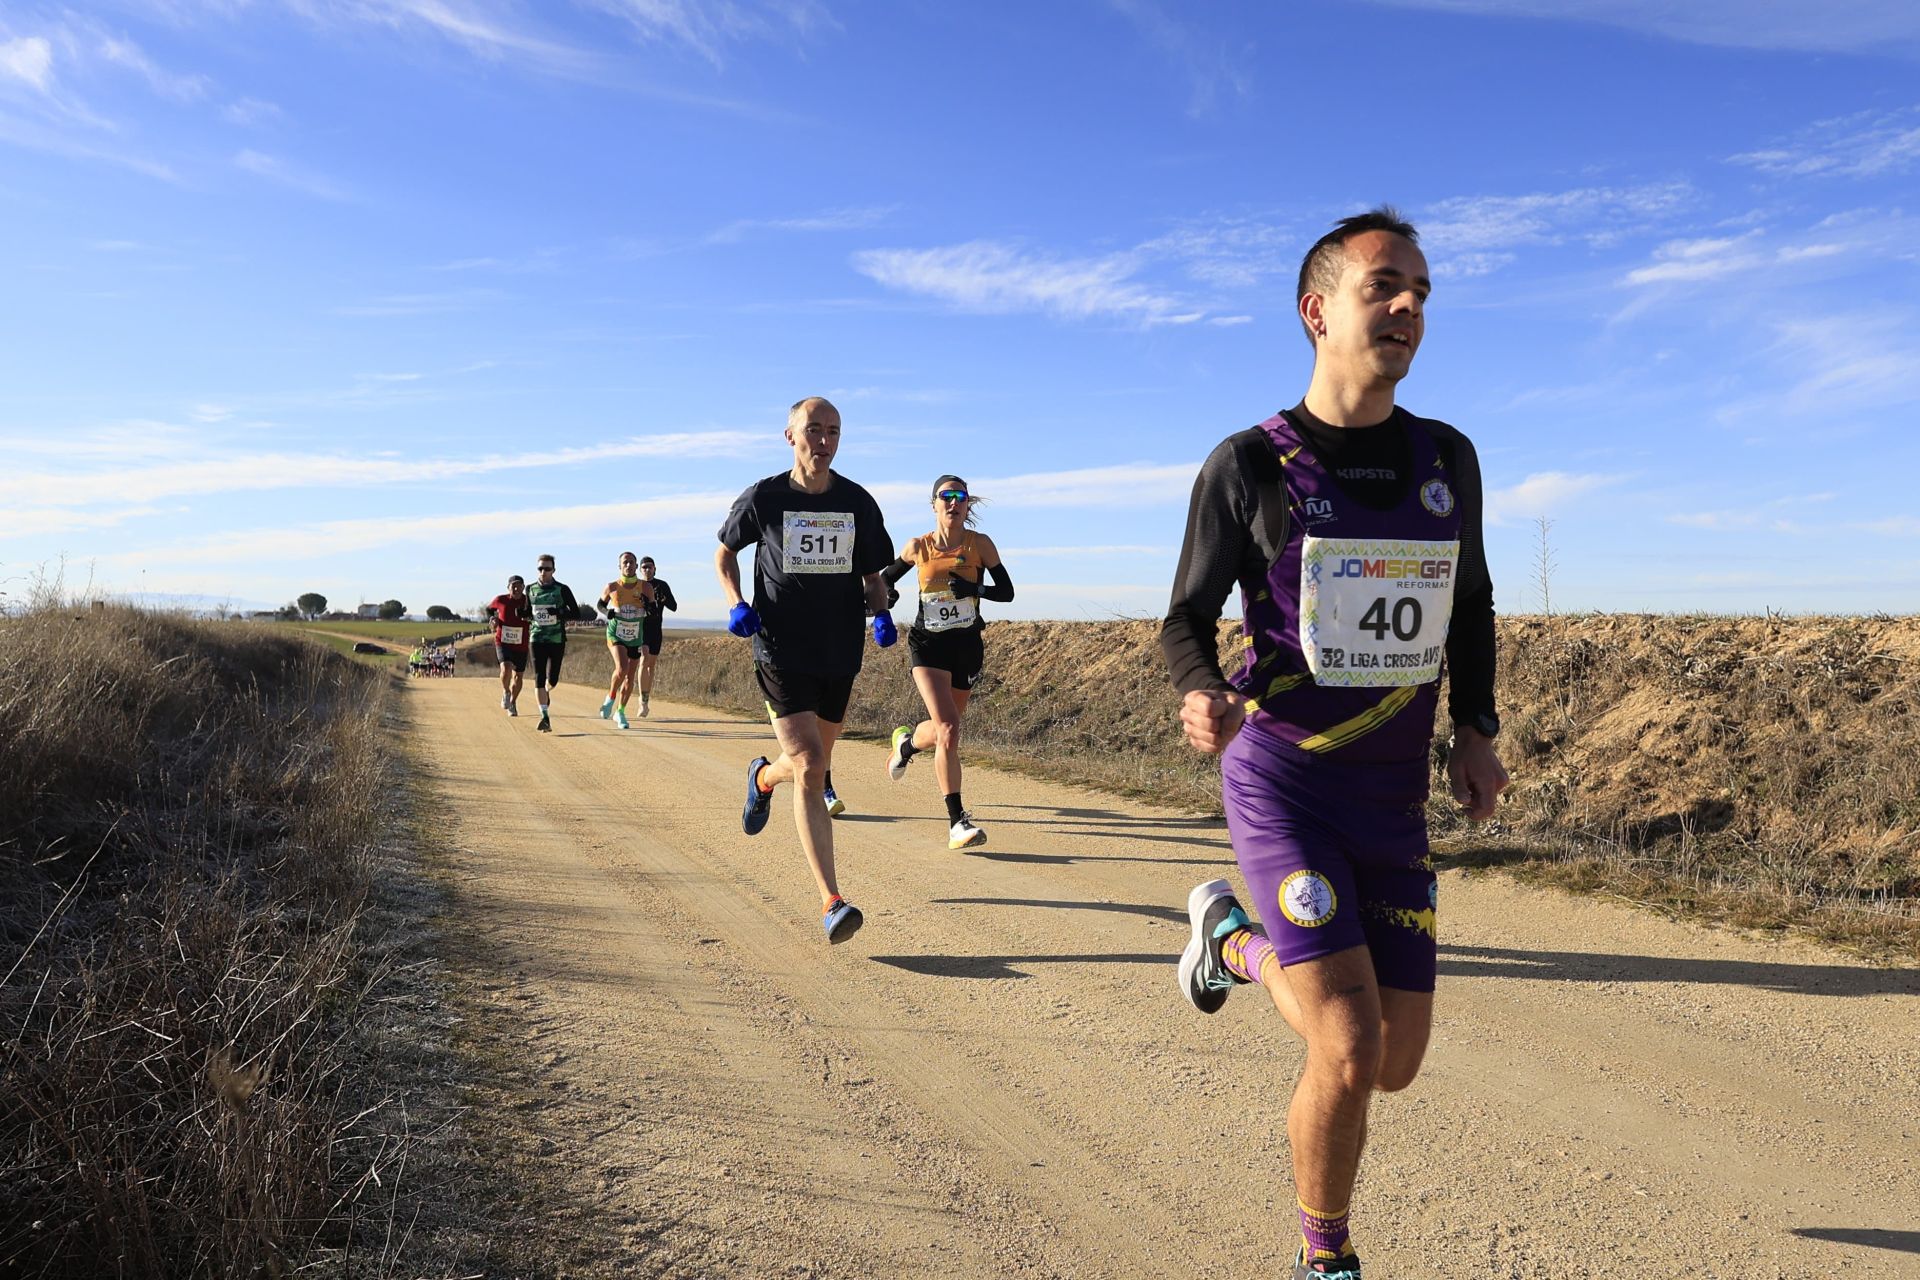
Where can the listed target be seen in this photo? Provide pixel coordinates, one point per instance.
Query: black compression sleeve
(1001, 588)
(1214, 558)
(896, 571)
(1470, 642)
(666, 595)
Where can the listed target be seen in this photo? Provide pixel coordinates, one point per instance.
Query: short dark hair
(1320, 269)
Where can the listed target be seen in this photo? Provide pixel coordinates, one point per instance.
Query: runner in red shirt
(512, 616)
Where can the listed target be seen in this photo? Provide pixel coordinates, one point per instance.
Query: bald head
(811, 409)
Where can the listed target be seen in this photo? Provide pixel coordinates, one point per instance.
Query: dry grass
(1763, 772)
(187, 843)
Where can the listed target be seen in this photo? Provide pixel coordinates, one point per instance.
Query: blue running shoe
(1347, 1268)
(835, 805)
(753, 818)
(1205, 979)
(842, 920)
(606, 709)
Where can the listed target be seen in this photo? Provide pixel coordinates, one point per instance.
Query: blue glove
(883, 631)
(742, 620)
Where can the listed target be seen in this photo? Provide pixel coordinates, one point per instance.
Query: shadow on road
(1004, 966)
(1873, 1237)
(1068, 859)
(1573, 966)
(1174, 915)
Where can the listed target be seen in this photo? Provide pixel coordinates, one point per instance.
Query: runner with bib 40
(1352, 529)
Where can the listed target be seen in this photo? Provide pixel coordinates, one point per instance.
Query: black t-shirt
(812, 550)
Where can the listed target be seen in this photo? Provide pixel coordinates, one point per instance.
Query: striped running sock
(1323, 1235)
(1246, 952)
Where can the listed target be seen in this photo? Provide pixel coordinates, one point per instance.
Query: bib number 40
(1403, 621)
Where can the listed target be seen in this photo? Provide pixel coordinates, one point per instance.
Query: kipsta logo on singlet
(1436, 497)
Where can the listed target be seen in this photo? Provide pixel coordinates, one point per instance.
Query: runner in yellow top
(946, 640)
(624, 601)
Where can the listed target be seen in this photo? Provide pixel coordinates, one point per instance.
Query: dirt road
(997, 1076)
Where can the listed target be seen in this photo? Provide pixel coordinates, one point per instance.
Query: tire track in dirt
(997, 1076)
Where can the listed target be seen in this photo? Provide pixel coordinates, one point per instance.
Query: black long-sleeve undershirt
(999, 590)
(1222, 549)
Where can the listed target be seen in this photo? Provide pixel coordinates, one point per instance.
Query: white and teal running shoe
(1205, 979)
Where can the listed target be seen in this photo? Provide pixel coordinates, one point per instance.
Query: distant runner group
(1352, 530)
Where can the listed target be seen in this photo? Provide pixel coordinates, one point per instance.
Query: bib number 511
(819, 544)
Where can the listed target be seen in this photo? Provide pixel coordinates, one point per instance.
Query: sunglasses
(952, 495)
(545, 568)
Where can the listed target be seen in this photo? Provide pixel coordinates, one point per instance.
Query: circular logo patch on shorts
(1307, 899)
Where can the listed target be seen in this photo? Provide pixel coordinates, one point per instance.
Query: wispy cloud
(1213, 67)
(35, 136)
(1862, 26)
(331, 538)
(988, 277)
(1121, 487)
(1895, 526)
(29, 61)
(1542, 494)
(251, 112)
(475, 26)
(853, 219)
(1862, 145)
(1116, 549)
(123, 52)
(267, 471)
(1829, 247)
(420, 304)
(55, 520)
(1232, 252)
(709, 28)
(1475, 235)
(274, 169)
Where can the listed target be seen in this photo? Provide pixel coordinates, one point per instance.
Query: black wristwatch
(1486, 724)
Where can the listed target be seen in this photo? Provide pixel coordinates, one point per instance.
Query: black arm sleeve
(896, 571)
(1000, 589)
(664, 594)
(1216, 555)
(1470, 641)
(572, 608)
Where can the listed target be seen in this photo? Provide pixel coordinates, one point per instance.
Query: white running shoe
(646, 704)
(964, 835)
(513, 707)
(902, 752)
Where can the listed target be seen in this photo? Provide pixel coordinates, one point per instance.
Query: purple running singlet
(1325, 787)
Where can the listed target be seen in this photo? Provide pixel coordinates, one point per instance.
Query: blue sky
(380, 298)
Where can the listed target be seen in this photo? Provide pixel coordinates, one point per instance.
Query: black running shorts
(791, 692)
(961, 654)
(510, 656)
(650, 636)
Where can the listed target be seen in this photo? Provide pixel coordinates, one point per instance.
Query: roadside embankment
(1759, 771)
(188, 845)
